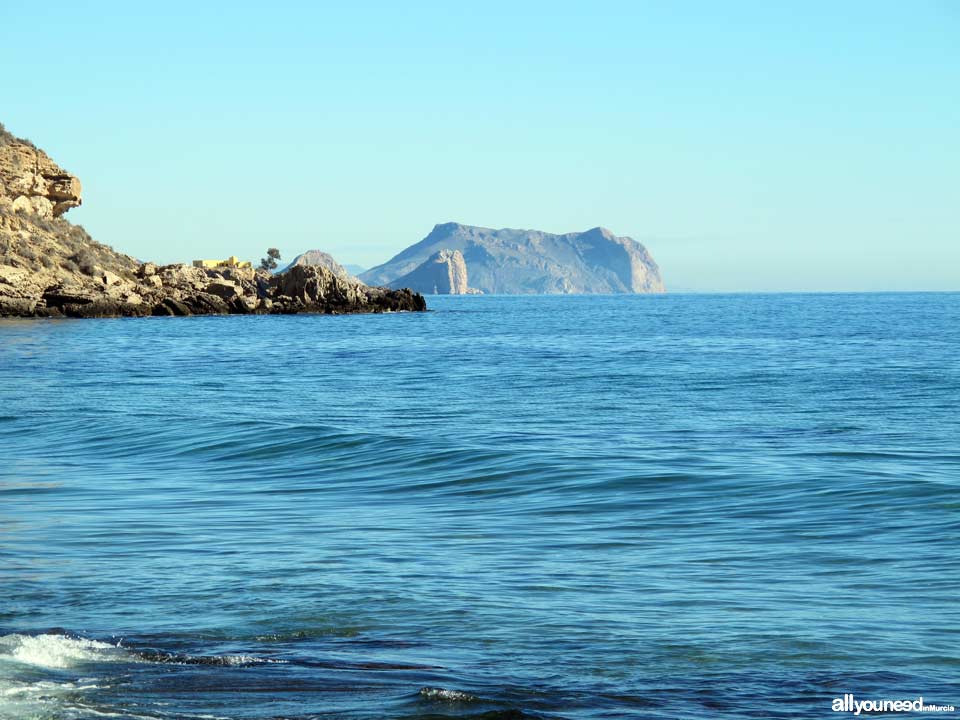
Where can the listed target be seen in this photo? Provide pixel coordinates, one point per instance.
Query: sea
(648, 506)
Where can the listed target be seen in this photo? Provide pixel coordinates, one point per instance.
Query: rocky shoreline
(51, 268)
(182, 290)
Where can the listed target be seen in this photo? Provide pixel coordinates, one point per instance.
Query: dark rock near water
(206, 303)
(311, 288)
(171, 306)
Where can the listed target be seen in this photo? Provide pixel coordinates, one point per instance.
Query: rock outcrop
(310, 288)
(532, 262)
(50, 268)
(320, 259)
(443, 273)
(32, 182)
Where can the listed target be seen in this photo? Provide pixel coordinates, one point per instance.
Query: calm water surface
(547, 507)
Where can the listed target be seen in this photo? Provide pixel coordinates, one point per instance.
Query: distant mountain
(354, 269)
(443, 273)
(524, 262)
(318, 258)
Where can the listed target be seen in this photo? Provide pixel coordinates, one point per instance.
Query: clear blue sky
(751, 145)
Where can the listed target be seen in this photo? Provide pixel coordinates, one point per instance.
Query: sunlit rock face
(443, 273)
(32, 182)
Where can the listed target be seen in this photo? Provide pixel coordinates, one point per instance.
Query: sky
(751, 146)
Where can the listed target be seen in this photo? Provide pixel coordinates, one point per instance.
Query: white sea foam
(236, 660)
(251, 660)
(448, 695)
(58, 651)
(12, 688)
(22, 657)
(41, 700)
(25, 658)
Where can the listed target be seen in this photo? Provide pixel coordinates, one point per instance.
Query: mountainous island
(520, 262)
(51, 268)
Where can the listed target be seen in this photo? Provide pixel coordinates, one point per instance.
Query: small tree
(270, 261)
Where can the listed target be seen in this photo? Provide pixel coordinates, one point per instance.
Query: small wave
(154, 656)
(58, 651)
(432, 693)
(14, 688)
(49, 700)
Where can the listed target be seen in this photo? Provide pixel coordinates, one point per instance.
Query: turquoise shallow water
(548, 507)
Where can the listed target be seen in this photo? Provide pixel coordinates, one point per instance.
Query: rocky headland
(517, 262)
(52, 268)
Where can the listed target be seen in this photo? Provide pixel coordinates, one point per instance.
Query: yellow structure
(230, 262)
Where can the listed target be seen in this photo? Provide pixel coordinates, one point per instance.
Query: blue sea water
(681, 506)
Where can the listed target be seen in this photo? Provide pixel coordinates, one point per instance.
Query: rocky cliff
(511, 261)
(32, 182)
(50, 268)
(443, 273)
